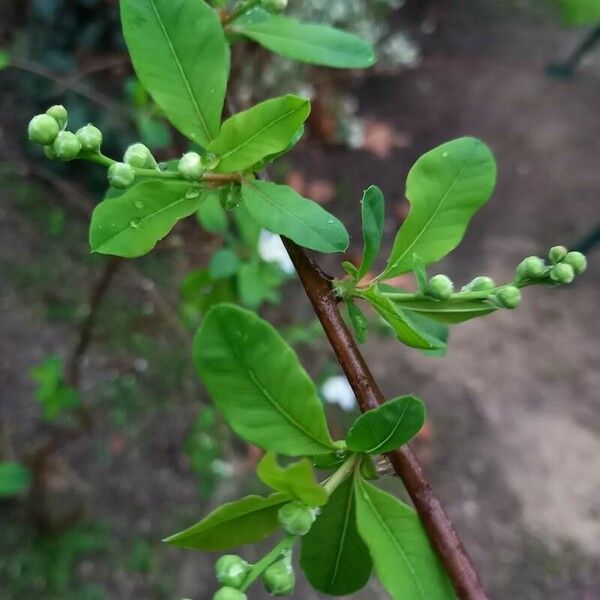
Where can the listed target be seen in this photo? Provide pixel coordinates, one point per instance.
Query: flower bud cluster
(564, 266)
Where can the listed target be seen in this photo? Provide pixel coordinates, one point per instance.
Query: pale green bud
(60, 114)
(556, 254)
(532, 267)
(480, 284)
(509, 296)
(66, 146)
(229, 593)
(190, 166)
(231, 570)
(139, 156)
(562, 273)
(90, 138)
(275, 6)
(296, 518)
(120, 175)
(577, 260)
(439, 287)
(279, 578)
(43, 129)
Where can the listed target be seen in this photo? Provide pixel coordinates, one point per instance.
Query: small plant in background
(345, 525)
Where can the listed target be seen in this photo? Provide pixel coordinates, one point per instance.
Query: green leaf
(404, 560)
(131, 223)
(407, 331)
(224, 263)
(445, 188)
(306, 42)
(433, 329)
(237, 523)
(280, 209)
(14, 479)
(581, 12)
(258, 384)
(4, 59)
(210, 213)
(373, 214)
(181, 57)
(447, 311)
(333, 555)
(358, 320)
(296, 480)
(388, 427)
(420, 273)
(266, 129)
(52, 392)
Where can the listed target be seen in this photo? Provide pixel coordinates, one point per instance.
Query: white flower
(271, 249)
(337, 390)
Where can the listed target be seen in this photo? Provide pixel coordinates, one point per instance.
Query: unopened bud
(43, 130)
(121, 175)
(296, 518)
(577, 260)
(562, 273)
(139, 157)
(229, 593)
(439, 287)
(275, 6)
(556, 254)
(480, 284)
(231, 570)
(60, 114)
(509, 296)
(90, 138)
(66, 146)
(279, 578)
(532, 267)
(190, 166)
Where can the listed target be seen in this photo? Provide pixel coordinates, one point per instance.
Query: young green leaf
(14, 479)
(407, 331)
(296, 480)
(266, 129)
(373, 214)
(445, 188)
(258, 384)
(420, 273)
(404, 560)
(181, 56)
(388, 427)
(333, 557)
(447, 311)
(210, 213)
(306, 42)
(280, 209)
(237, 523)
(358, 320)
(130, 224)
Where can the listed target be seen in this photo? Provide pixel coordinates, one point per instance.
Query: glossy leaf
(306, 42)
(447, 311)
(440, 332)
(264, 130)
(334, 557)
(237, 523)
(14, 479)
(210, 213)
(407, 331)
(388, 427)
(445, 188)
(358, 320)
(297, 480)
(373, 214)
(258, 384)
(280, 209)
(404, 560)
(420, 273)
(181, 56)
(131, 223)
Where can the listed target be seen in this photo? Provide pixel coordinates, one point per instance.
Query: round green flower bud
(43, 130)
(60, 114)
(279, 578)
(532, 267)
(66, 146)
(439, 287)
(296, 518)
(49, 152)
(275, 6)
(120, 175)
(577, 260)
(556, 254)
(190, 166)
(229, 593)
(562, 273)
(140, 157)
(509, 296)
(90, 138)
(231, 570)
(480, 284)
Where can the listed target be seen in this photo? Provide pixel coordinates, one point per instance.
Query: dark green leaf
(445, 188)
(131, 223)
(388, 427)
(14, 479)
(296, 480)
(447, 311)
(407, 331)
(266, 129)
(210, 213)
(280, 209)
(358, 320)
(373, 215)
(258, 384)
(306, 42)
(404, 560)
(334, 557)
(181, 56)
(244, 521)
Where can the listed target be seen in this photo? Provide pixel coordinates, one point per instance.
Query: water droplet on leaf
(135, 223)
(138, 204)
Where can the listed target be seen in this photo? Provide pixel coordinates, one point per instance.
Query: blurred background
(108, 442)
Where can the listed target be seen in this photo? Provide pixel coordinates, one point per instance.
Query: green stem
(242, 10)
(287, 543)
(341, 474)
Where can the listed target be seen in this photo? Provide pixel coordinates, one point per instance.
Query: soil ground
(514, 408)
